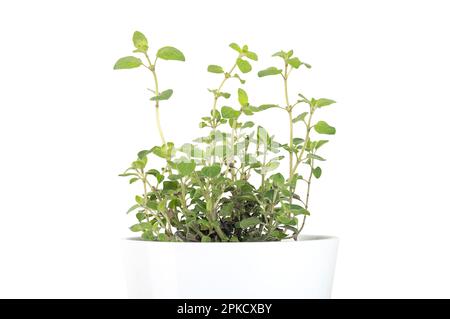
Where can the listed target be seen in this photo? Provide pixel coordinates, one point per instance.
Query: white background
(69, 124)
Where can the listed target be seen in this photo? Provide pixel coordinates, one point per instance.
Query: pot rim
(302, 238)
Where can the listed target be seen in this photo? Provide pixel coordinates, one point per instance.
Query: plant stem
(308, 130)
(144, 180)
(151, 67)
(306, 201)
(291, 145)
(291, 123)
(158, 119)
(214, 124)
(263, 174)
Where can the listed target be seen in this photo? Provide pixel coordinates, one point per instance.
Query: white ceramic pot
(287, 269)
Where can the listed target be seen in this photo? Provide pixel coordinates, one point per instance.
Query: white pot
(287, 269)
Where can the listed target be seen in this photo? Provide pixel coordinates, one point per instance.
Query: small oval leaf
(215, 68)
(128, 62)
(269, 71)
(170, 53)
(243, 65)
(164, 95)
(140, 42)
(322, 127)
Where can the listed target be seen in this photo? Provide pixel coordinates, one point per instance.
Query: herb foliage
(204, 192)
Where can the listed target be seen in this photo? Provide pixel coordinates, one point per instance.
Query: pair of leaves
(244, 51)
(140, 42)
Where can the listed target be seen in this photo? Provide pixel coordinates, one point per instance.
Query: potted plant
(217, 218)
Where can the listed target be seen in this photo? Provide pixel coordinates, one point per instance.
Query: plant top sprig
(165, 53)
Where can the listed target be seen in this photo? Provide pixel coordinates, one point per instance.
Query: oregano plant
(226, 186)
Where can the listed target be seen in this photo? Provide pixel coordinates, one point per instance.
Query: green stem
(151, 67)
(263, 174)
(308, 130)
(158, 119)
(291, 145)
(291, 130)
(306, 201)
(144, 180)
(214, 123)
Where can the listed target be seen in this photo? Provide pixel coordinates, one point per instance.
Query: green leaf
(139, 200)
(211, 171)
(315, 157)
(278, 234)
(270, 167)
(133, 208)
(249, 222)
(162, 203)
(262, 135)
(152, 205)
(243, 65)
(164, 151)
(320, 143)
(224, 94)
(297, 210)
(248, 124)
(300, 117)
(141, 216)
(285, 220)
(269, 71)
(215, 68)
(140, 42)
(294, 62)
(323, 102)
(282, 54)
(136, 228)
(242, 97)
(278, 179)
(164, 95)
(297, 140)
(134, 179)
(159, 177)
(317, 172)
(229, 112)
(251, 55)
(322, 127)
(170, 185)
(239, 78)
(170, 53)
(174, 177)
(143, 153)
(226, 209)
(186, 168)
(264, 107)
(235, 47)
(128, 62)
(162, 237)
(206, 239)
(139, 164)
